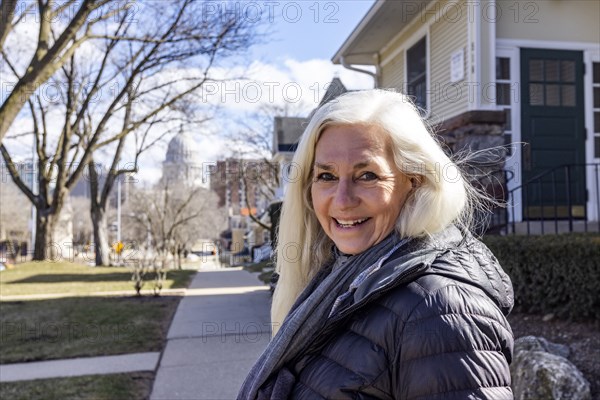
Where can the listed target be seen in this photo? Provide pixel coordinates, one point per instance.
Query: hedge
(557, 274)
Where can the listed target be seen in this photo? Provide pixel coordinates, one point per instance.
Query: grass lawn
(72, 278)
(264, 267)
(132, 386)
(81, 326)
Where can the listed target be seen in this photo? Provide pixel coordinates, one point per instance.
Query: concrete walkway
(79, 367)
(219, 330)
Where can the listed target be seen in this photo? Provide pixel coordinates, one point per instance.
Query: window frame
(423, 35)
(508, 133)
(595, 134)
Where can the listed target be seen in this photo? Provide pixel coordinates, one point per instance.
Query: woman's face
(357, 190)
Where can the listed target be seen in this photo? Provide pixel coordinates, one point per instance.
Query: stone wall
(475, 139)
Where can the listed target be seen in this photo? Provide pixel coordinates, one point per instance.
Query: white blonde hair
(441, 197)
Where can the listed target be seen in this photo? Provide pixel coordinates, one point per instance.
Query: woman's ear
(415, 181)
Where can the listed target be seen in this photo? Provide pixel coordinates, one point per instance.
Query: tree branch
(14, 174)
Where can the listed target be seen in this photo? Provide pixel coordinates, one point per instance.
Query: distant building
(14, 226)
(182, 163)
(244, 188)
(334, 89)
(82, 187)
(26, 169)
(242, 185)
(287, 132)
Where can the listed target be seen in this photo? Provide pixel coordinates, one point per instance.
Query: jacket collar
(450, 253)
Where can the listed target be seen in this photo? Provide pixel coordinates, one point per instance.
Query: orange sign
(246, 212)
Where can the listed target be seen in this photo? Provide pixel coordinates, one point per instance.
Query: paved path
(219, 330)
(79, 366)
(121, 293)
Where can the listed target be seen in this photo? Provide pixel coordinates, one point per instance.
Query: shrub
(557, 274)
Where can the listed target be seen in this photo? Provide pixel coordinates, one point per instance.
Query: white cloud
(299, 82)
(302, 83)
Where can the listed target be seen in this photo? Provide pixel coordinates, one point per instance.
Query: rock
(548, 317)
(534, 343)
(538, 373)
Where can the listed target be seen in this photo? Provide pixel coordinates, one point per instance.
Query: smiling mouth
(350, 223)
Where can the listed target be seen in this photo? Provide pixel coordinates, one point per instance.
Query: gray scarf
(308, 318)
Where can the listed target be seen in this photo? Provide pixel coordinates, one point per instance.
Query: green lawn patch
(72, 278)
(264, 268)
(131, 386)
(81, 325)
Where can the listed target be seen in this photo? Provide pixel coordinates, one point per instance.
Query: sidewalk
(79, 366)
(219, 330)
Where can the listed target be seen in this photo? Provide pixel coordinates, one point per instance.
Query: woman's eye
(368, 176)
(325, 176)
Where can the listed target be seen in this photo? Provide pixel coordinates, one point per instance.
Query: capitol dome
(182, 162)
(181, 148)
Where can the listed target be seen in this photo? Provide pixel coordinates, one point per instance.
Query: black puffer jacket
(428, 325)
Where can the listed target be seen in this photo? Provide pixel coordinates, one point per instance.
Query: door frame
(591, 53)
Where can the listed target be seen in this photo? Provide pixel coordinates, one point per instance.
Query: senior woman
(383, 292)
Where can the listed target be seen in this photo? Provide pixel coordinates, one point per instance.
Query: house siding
(545, 20)
(392, 73)
(448, 35)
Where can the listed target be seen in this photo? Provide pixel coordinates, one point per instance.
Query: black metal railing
(558, 196)
(498, 218)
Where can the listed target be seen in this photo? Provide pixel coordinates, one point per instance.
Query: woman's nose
(345, 194)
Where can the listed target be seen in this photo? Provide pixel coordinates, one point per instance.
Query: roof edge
(336, 59)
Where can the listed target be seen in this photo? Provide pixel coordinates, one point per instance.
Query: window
(503, 96)
(416, 64)
(552, 83)
(596, 105)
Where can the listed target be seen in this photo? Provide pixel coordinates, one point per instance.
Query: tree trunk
(179, 251)
(100, 236)
(45, 248)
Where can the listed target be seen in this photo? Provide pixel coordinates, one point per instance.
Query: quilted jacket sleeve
(455, 344)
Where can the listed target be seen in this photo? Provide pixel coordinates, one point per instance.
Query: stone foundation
(466, 136)
(473, 130)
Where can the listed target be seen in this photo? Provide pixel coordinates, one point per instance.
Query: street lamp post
(118, 210)
(119, 245)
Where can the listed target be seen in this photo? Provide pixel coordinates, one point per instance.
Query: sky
(296, 52)
(291, 62)
(307, 30)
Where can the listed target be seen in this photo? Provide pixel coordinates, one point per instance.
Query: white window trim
(514, 162)
(492, 46)
(473, 64)
(546, 44)
(414, 39)
(590, 57)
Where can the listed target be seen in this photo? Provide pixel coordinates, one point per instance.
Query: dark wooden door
(553, 129)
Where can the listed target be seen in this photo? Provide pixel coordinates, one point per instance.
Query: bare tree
(55, 44)
(175, 216)
(146, 76)
(254, 140)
